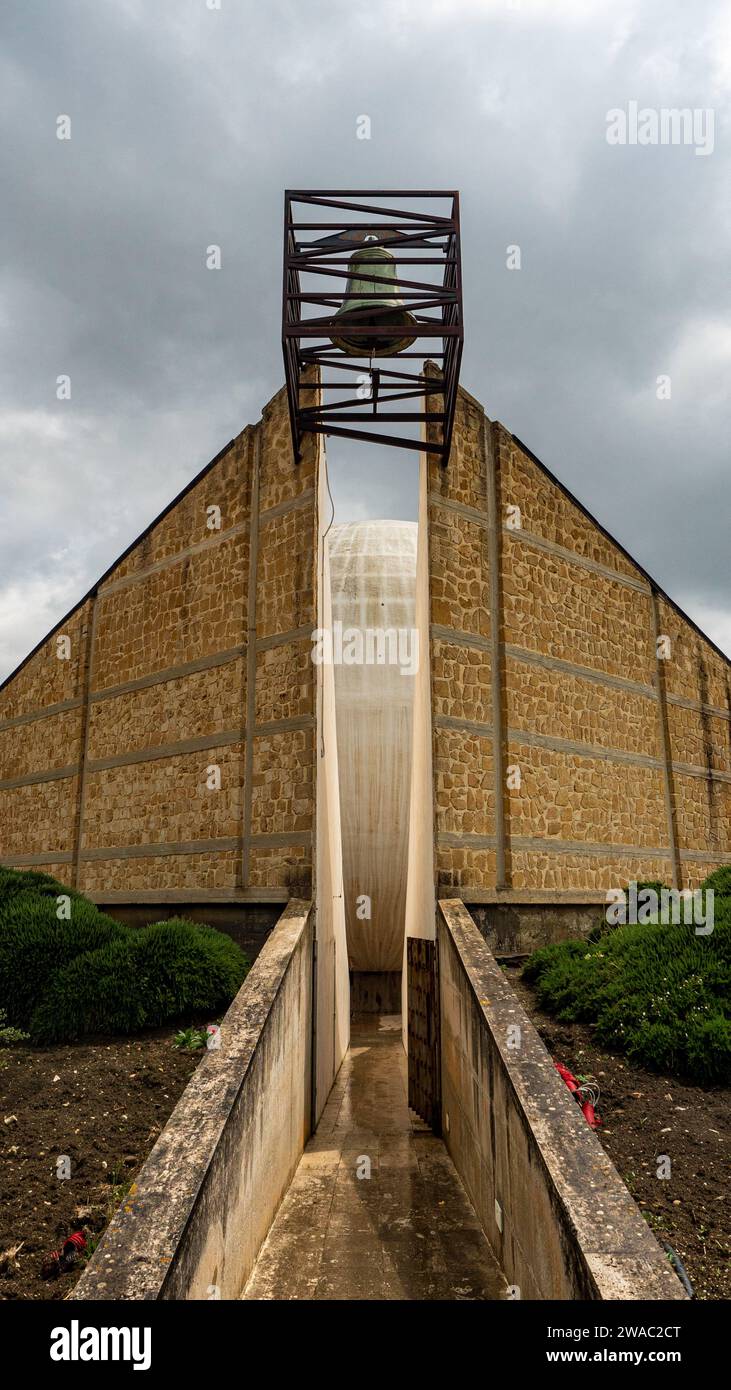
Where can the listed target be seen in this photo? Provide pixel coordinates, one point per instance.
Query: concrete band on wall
(557, 1215)
(195, 1219)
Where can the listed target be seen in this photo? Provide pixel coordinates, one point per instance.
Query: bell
(374, 306)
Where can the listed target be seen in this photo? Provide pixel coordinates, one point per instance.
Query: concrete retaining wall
(519, 929)
(247, 923)
(194, 1221)
(557, 1214)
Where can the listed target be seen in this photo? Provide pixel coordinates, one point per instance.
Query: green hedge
(61, 979)
(657, 992)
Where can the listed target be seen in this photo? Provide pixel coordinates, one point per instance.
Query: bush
(657, 992)
(654, 883)
(35, 944)
(96, 992)
(186, 968)
(61, 979)
(720, 882)
(16, 881)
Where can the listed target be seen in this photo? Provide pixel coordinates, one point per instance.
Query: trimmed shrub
(720, 882)
(654, 883)
(63, 979)
(15, 881)
(35, 944)
(657, 992)
(96, 992)
(185, 968)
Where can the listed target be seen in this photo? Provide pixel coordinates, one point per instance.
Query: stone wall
(191, 653)
(568, 758)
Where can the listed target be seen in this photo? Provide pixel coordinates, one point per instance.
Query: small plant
(120, 1184)
(92, 1241)
(191, 1039)
(9, 1035)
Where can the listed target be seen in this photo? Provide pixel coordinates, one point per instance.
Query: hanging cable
(679, 1268)
(332, 504)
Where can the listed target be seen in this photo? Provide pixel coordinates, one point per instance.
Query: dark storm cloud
(187, 123)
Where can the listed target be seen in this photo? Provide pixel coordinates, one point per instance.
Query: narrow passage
(408, 1231)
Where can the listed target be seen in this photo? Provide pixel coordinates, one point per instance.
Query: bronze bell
(374, 306)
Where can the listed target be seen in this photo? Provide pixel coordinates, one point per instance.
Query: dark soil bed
(103, 1104)
(646, 1114)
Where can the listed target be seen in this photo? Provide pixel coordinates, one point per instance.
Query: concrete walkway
(406, 1232)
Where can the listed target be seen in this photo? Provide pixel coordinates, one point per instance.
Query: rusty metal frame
(323, 248)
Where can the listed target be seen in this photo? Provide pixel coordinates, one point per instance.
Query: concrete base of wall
(518, 929)
(248, 924)
(551, 1203)
(375, 991)
(192, 1225)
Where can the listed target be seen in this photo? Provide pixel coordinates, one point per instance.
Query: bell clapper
(375, 386)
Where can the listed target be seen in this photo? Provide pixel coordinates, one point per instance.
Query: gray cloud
(188, 123)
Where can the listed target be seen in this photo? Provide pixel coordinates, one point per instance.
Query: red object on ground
(568, 1077)
(589, 1114)
(59, 1261)
(575, 1089)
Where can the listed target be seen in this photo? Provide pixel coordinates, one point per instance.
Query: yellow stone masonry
(171, 620)
(583, 701)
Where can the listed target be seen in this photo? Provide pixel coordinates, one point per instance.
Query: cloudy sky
(190, 117)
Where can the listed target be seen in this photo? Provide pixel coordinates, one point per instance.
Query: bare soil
(648, 1114)
(102, 1104)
